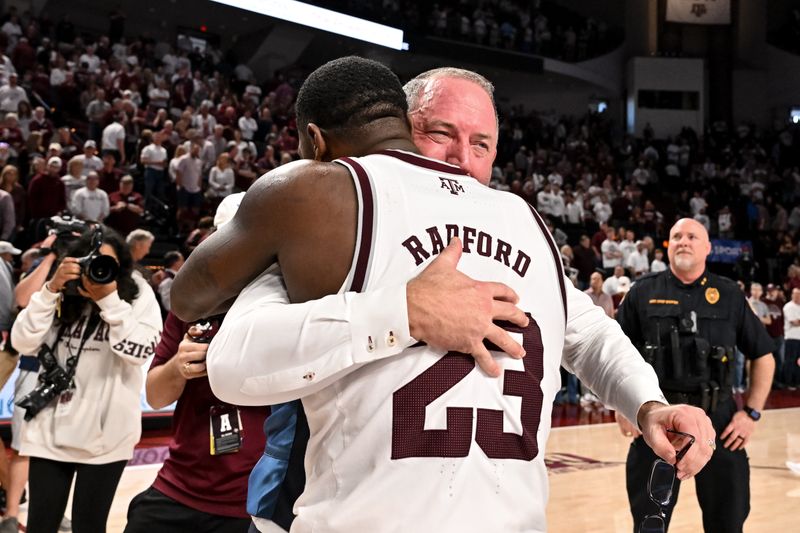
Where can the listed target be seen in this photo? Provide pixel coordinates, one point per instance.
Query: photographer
(84, 417)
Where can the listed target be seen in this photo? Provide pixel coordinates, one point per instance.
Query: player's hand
(190, 361)
(738, 432)
(626, 427)
(454, 312)
(67, 270)
(655, 418)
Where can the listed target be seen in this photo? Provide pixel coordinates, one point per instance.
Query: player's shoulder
(299, 176)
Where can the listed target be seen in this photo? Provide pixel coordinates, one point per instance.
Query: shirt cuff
(379, 323)
(639, 391)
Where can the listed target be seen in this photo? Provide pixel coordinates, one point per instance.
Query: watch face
(752, 413)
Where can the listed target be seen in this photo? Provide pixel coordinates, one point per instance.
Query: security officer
(687, 323)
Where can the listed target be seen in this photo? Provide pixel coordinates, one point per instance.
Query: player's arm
(224, 263)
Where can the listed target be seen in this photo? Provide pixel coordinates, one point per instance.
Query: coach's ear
(318, 142)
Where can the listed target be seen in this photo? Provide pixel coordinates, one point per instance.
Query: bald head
(689, 247)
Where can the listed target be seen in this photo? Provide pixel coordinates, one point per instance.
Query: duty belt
(707, 397)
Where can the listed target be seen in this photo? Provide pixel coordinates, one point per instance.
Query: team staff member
(687, 322)
(197, 490)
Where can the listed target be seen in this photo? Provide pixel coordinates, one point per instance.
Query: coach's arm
(268, 351)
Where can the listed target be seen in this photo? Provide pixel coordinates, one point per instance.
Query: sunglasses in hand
(660, 484)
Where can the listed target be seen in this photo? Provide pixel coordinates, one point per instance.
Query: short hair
(170, 258)
(348, 93)
(756, 284)
(413, 88)
(139, 235)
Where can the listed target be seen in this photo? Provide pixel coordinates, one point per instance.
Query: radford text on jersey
(475, 241)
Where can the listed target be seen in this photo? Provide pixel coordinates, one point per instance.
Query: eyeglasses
(660, 483)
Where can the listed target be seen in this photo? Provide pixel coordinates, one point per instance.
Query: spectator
(221, 178)
(110, 175)
(658, 264)
(8, 218)
(39, 122)
(189, 181)
(127, 207)
(612, 255)
(247, 125)
(73, 179)
(775, 301)
(154, 159)
(91, 202)
(173, 261)
(791, 334)
(114, 138)
(139, 242)
(7, 304)
(46, 193)
(89, 158)
(96, 112)
(611, 284)
(598, 294)
(584, 260)
(637, 262)
(9, 182)
(11, 95)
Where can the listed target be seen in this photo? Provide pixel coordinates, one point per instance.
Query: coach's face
(455, 122)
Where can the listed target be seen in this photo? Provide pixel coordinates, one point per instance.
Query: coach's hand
(451, 311)
(655, 418)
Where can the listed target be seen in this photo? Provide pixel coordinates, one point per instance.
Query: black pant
(50, 481)
(723, 486)
(154, 512)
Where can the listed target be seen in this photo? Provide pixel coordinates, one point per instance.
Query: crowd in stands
(138, 133)
(532, 27)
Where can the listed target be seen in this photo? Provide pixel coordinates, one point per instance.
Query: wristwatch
(752, 413)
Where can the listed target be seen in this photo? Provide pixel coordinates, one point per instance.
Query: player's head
(346, 105)
(454, 119)
(688, 248)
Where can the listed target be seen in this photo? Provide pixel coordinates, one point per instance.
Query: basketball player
(389, 397)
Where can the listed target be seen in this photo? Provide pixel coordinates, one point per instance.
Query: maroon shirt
(109, 180)
(215, 484)
(124, 221)
(46, 196)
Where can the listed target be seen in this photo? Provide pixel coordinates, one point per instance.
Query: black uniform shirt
(713, 304)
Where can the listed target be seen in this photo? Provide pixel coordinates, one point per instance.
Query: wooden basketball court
(587, 481)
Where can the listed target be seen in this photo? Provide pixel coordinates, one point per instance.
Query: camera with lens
(99, 268)
(53, 380)
(68, 231)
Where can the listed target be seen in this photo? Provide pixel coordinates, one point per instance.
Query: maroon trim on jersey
(367, 216)
(424, 162)
(556, 258)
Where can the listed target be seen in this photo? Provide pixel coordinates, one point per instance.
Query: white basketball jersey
(425, 441)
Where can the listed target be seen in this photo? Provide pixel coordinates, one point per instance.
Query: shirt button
(370, 345)
(391, 340)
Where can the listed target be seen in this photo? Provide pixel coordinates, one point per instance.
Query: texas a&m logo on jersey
(452, 185)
